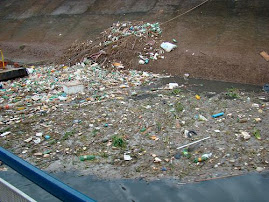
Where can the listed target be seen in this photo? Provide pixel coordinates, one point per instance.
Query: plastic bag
(167, 46)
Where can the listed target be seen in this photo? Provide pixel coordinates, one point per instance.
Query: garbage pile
(50, 86)
(124, 45)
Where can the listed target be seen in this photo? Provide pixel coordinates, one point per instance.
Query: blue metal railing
(42, 179)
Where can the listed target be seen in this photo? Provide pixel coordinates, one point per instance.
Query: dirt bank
(220, 40)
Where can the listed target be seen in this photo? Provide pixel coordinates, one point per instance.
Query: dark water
(251, 187)
(201, 86)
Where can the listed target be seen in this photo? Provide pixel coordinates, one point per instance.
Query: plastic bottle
(86, 157)
(186, 153)
(204, 157)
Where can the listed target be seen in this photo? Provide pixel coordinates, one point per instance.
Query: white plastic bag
(167, 46)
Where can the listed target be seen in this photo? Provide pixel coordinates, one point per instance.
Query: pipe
(186, 145)
(42, 179)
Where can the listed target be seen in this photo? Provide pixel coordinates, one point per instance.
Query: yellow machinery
(2, 62)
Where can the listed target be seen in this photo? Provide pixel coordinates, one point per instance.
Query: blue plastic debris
(47, 137)
(218, 115)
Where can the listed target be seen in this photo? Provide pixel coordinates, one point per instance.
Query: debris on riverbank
(132, 123)
(98, 117)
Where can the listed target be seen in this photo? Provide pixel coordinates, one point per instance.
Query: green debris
(176, 91)
(257, 133)
(186, 153)
(232, 93)
(87, 157)
(179, 107)
(118, 141)
(68, 134)
(143, 130)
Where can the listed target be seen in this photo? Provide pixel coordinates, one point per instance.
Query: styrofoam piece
(73, 87)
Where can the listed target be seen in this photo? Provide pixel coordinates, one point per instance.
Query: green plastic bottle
(87, 157)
